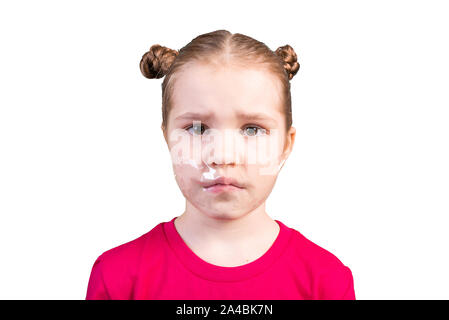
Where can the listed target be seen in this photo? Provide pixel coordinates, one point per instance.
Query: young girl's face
(227, 122)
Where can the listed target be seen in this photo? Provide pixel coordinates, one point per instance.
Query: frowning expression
(234, 117)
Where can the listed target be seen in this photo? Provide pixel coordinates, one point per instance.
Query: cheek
(264, 149)
(186, 176)
(260, 182)
(264, 159)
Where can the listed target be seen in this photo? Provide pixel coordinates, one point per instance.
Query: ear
(290, 141)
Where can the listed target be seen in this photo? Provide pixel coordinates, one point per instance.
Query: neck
(199, 227)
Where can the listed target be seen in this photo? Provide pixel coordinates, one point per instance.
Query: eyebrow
(194, 115)
(255, 116)
(240, 115)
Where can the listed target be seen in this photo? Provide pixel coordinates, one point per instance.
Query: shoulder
(115, 270)
(331, 278)
(129, 252)
(313, 254)
(125, 257)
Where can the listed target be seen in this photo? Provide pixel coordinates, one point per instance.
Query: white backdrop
(84, 166)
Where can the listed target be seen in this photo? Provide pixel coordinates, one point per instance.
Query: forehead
(231, 89)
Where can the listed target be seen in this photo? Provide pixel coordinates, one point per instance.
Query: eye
(253, 131)
(199, 130)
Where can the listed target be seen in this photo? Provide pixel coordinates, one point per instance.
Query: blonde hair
(218, 48)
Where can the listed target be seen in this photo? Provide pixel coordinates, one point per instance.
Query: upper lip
(223, 180)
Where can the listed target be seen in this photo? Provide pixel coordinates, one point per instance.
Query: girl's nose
(223, 147)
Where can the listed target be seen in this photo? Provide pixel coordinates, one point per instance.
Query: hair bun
(289, 58)
(157, 61)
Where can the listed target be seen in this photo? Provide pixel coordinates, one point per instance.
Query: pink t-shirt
(160, 265)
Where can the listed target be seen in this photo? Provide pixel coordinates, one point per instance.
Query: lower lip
(216, 188)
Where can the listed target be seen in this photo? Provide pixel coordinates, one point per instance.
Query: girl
(224, 245)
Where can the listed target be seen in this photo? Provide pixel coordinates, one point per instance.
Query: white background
(84, 166)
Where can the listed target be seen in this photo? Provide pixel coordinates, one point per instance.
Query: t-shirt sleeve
(337, 284)
(96, 289)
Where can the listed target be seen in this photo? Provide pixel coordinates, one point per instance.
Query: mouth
(222, 184)
(218, 187)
